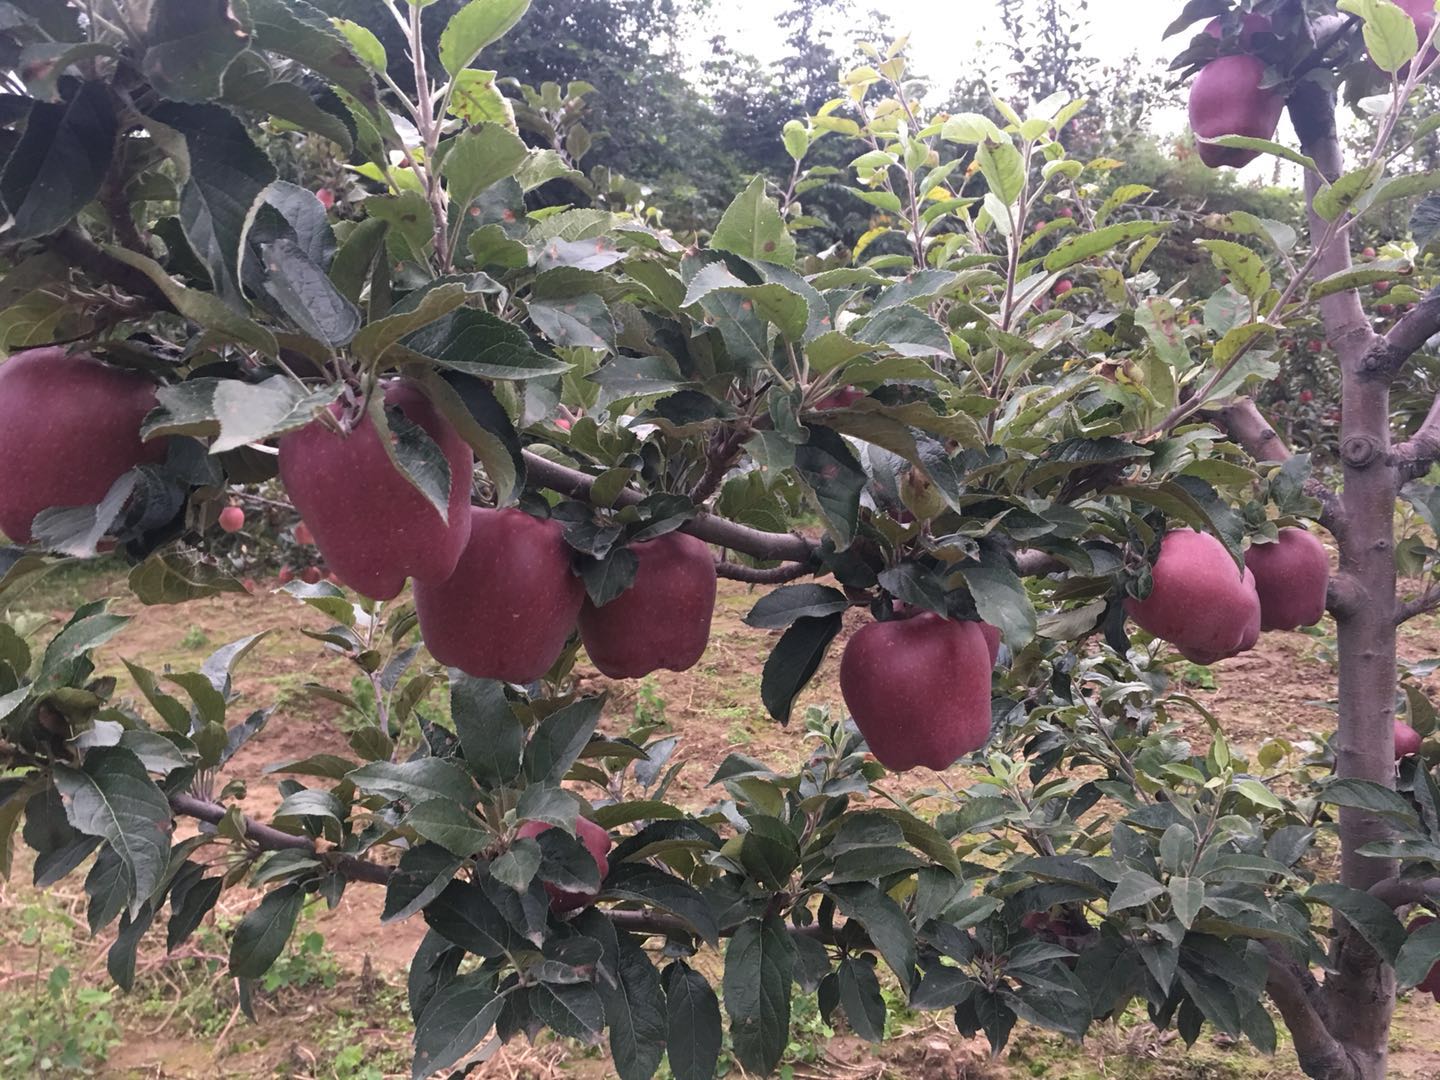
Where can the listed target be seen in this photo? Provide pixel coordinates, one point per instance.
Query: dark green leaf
(794, 661)
(190, 44)
(693, 1023)
(60, 161)
(861, 999)
(416, 781)
(759, 971)
(478, 343)
(1373, 919)
(654, 888)
(885, 922)
(559, 738)
(449, 824)
(455, 1021)
(261, 936)
(120, 960)
(835, 480)
(424, 871)
(778, 609)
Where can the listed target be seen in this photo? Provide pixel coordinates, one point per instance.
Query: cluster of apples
(1210, 609)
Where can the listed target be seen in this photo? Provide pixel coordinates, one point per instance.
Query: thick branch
(1415, 455)
(76, 248)
(775, 575)
(1426, 602)
(1401, 892)
(1387, 355)
(789, 547)
(272, 839)
(1293, 990)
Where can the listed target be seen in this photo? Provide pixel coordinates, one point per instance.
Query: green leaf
(190, 43)
(647, 885)
(1002, 601)
(861, 999)
(907, 331)
(234, 412)
(373, 342)
(1134, 889)
(575, 322)
(163, 579)
(363, 43)
(416, 781)
(1419, 953)
(752, 228)
(491, 735)
(1368, 796)
(692, 1015)
(834, 479)
(484, 345)
(302, 32)
(1264, 146)
(305, 293)
(1373, 919)
(1187, 896)
(886, 924)
(456, 1020)
(1390, 35)
(559, 738)
(477, 416)
(1077, 249)
(476, 25)
(1003, 167)
(261, 936)
(478, 158)
(1246, 269)
(60, 161)
(449, 824)
(228, 178)
(412, 224)
(204, 308)
(794, 661)
(1348, 191)
(781, 607)
(416, 455)
(759, 971)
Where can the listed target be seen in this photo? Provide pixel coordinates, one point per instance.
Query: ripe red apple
(371, 524)
(842, 398)
(1062, 286)
(1227, 99)
(232, 519)
(1291, 576)
(1307, 396)
(508, 609)
(326, 197)
(1368, 253)
(1248, 637)
(663, 619)
(1407, 740)
(69, 428)
(1431, 983)
(596, 841)
(303, 535)
(1200, 601)
(919, 690)
(311, 575)
(286, 575)
(1066, 212)
(1249, 27)
(1315, 345)
(562, 424)
(1385, 309)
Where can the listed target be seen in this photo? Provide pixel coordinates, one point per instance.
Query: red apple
(1431, 983)
(511, 604)
(1292, 576)
(303, 535)
(1200, 601)
(919, 690)
(842, 398)
(663, 619)
(1227, 99)
(326, 197)
(596, 841)
(563, 424)
(369, 522)
(1315, 345)
(1248, 637)
(1385, 309)
(1368, 253)
(232, 519)
(1407, 740)
(310, 575)
(286, 575)
(69, 428)
(1066, 212)
(1381, 288)
(992, 640)
(1307, 396)
(1062, 286)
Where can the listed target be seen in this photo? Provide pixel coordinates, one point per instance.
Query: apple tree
(1037, 470)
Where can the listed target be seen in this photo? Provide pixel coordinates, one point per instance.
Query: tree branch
(787, 547)
(1415, 455)
(1427, 601)
(1387, 355)
(75, 247)
(269, 838)
(1295, 994)
(775, 575)
(1401, 892)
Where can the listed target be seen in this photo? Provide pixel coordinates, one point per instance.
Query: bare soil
(181, 1022)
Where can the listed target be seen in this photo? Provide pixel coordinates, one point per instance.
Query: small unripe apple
(842, 398)
(1315, 345)
(370, 523)
(663, 619)
(1292, 576)
(1066, 212)
(1431, 983)
(1368, 253)
(326, 197)
(232, 519)
(511, 604)
(1200, 601)
(596, 841)
(1385, 309)
(1227, 98)
(69, 428)
(250, 585)
(310, 575)
(1381, 288)
(919, 690)
(1407, 740)
(1062, 286)
(303, 535)
(562, 423)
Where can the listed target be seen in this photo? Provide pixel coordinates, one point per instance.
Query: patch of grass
(195, 638)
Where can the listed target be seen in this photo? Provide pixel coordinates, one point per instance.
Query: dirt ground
(337, 1009)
